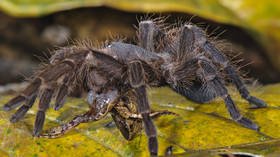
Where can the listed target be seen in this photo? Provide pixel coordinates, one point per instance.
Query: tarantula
(181, 57)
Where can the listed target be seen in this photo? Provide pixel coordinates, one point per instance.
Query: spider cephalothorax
(181, 57)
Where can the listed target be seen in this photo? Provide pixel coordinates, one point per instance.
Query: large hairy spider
(181, 57)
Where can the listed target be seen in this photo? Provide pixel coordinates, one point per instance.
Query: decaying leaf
(204, 127)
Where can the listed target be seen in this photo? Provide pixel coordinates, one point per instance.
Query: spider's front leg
(47, 81)
(59, 76)
(50, 79)
(136, 76)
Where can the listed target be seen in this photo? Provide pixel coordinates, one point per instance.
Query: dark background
(25, 42)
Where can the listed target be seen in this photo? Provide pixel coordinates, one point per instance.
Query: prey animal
(123, 112)
(181, 57)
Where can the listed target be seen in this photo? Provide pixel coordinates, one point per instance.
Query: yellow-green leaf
(204, 127)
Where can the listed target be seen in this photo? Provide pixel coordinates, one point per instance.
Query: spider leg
(27, 94)
(196, 92)
(151, 36)
(213, 82)
(45, 77)
(190, 41)
(136, 76)
(30, 93)
(192, 88)
(185, 48)
(43, 106)
(19, 114)
(45, 83)
(146, 35)
(220, 58)
(62, 93)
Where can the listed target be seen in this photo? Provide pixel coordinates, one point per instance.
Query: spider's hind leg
(193, 38)
(220, 58)
(213, 82)
(185, 47)
(196, 92)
